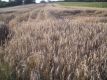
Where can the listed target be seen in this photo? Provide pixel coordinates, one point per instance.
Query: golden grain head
(54, 43)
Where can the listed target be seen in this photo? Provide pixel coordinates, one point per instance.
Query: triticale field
(51, 42)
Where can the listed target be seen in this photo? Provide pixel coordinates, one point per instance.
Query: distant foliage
(18, 2)
(29, 1)
(42, 1)
(15, 3)
(7, 4)
(85, 0)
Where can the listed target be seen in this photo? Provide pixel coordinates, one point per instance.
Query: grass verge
(85, 4)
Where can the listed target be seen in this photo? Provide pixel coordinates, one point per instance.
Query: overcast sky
(36, 0)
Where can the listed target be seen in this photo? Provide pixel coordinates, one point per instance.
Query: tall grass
(52, 46)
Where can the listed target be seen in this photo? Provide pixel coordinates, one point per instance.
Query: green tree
(101, 0)
(29, 1)
(86, 0)
(18, 2)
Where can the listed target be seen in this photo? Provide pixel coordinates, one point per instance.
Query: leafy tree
(18, 2)
(42, 1)
(29, 1)
(100, 0)
(86, 0)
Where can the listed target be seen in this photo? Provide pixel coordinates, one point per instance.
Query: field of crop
(48, 42)
(85, 4)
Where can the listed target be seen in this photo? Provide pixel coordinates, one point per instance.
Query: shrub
(4, 31)
(7, 4)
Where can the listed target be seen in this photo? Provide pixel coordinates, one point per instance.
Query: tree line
(85, 0)
(15, 2)
(19, 2)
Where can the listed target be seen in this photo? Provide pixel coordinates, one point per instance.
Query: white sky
(36, 0)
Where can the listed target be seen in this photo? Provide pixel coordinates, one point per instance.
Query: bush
(4, 31)
(43, 2)
(7, 4)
